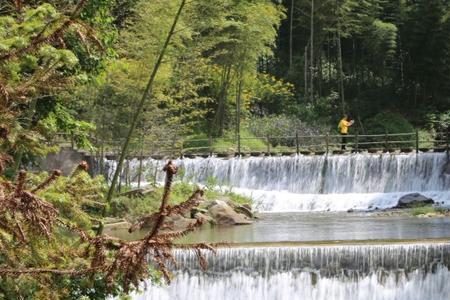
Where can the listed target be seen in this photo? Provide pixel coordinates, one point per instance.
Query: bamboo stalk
(141, 104)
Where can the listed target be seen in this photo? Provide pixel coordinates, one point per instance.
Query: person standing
(343, 126)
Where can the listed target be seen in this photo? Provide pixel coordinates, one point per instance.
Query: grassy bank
(430, 211)
(132, 208)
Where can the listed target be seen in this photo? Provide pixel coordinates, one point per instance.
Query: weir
(318, 183)
(416, 271)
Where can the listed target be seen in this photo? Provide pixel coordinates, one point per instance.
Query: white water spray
(393, 272)
(318, 183)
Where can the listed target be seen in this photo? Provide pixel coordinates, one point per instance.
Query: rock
(350, 210)
(215, 202)
(204, 217)
(171, 223)
(244, 209)
(197, 210)
(116, 226)
(177, 222)
(413, 200)
(223, 214)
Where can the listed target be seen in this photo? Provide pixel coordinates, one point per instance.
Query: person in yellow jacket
(343, 126)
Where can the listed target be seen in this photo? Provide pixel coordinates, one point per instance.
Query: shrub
(390, 123)
(282, 126)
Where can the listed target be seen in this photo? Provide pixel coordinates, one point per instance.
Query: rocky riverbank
(134, 210)
(414, 204)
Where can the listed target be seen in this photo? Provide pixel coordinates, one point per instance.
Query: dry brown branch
(18, 5)
(150, 219)
(186, 206)
(4, 131)
(47, 182)
(144, 222)
(82, 166)
(129, 263)
(21, 178)
(72, 272)
(4, 93)
(4, 160)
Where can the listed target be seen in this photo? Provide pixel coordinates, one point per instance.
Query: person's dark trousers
(344, 140)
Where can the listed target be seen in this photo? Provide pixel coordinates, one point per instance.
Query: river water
(319, 227)
(305, 246)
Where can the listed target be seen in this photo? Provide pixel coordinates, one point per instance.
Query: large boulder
(110, 227)
(223, 214)
(205, 218)
(171, 223)
(246, 210)
(413, 200)
(177, 222)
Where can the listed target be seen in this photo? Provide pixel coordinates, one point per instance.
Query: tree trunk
(340, 72)
(311, 75)
(291, 23)
(238, 109)
(220, 113)
(306, 72)
(320, 79)
(141, 104)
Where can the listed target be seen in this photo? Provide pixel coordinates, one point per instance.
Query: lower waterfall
(385, 272)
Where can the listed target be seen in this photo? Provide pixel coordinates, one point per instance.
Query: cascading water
(385, 272)
(319, 183)
(314, 183)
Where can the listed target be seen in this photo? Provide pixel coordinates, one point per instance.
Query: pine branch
(192, 202)
(35, 271)
(48, 181)
(41, 38)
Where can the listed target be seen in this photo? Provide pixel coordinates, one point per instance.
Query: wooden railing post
(446, 140)
(357, 142)
(386, 141)
(72, 141)
(239, 143)
(327, 142)
(417, 141)
(268, 145)
(210, 145)
(297, 144)
(127, 173)
(140, 165)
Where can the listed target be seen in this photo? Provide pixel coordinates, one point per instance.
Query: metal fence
(272, 145)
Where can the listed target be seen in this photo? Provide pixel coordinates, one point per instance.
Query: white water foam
(367, 272)
(284, 201)
(317, 183)
(305, 285)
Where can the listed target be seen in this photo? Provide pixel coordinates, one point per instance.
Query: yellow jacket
(343, 126)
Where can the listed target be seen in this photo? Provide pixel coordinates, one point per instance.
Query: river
(305, 246)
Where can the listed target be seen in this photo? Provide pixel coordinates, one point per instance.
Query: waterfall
(393, 272)
(319, 183)
(357, 173)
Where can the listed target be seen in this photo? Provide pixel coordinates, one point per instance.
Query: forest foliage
(78, 69)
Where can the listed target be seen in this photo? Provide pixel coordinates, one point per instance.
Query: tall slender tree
(141, 103)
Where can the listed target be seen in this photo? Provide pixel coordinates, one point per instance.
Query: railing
(271, 145)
